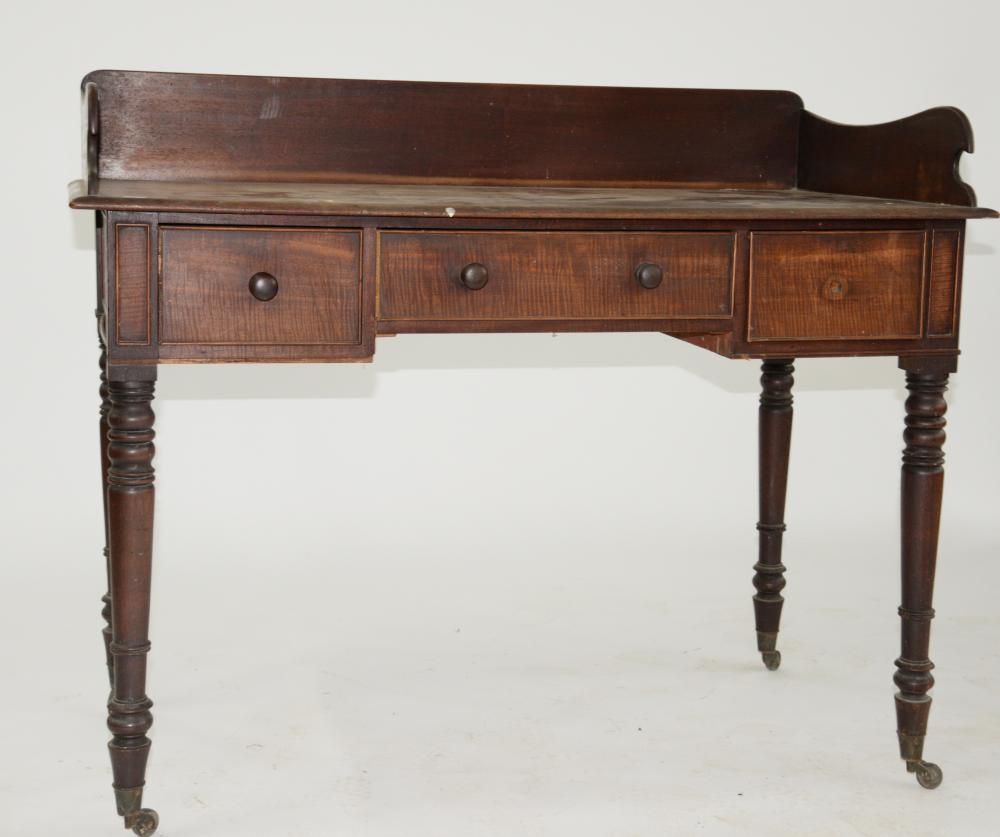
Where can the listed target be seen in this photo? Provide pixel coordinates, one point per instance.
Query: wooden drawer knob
(263, 286)
(649, 275)
(836, 288)
(475, 276)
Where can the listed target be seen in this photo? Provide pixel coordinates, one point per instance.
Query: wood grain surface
(942, 296)
(845, 285)
(176, 126)
(261, 219)
(458, 201)
(914, 158)
(206, 298)
(559, 276)
(133, 278)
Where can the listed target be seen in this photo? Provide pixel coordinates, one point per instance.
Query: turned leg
(921, 490)
(775, 434)
(99, 313)
(103, 427)
(130, 531)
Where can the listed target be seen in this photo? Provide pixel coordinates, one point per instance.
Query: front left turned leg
(130, 531)
(921, 491)
(775, 436)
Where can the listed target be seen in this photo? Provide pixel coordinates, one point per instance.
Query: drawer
(836, 285)
(308, 286)
(554, 275)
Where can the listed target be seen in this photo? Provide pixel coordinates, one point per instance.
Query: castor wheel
(772, 659)
(143, 822)
(929, 775)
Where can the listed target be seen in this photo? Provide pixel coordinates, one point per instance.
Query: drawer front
(206, 295)
(558, 276)
(836, 285)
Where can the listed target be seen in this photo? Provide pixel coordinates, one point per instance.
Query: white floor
(579, 686)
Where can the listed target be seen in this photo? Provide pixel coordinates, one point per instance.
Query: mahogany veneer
(244, 219)
(554, 275)
(260, 286)
(846, 285)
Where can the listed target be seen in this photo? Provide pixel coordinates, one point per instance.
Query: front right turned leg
(130, 531)
(922, 486)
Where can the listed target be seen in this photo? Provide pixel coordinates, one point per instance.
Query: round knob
(263, 286)
(649, 275)
(475, 276)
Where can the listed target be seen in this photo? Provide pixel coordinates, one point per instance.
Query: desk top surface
(465, 201)
(174, 142)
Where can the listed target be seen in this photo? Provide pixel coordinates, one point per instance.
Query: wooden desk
(288, 220)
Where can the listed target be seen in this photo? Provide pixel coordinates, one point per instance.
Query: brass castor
(929, 775)
(143, 822)
(772, 659)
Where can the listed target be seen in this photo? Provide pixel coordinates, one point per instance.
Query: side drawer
(308, 287)
(836, 285)
(554, 275)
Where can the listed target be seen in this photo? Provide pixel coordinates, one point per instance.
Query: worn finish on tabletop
(461, 201)
(245, 219)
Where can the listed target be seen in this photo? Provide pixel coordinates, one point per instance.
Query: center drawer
(454, 276)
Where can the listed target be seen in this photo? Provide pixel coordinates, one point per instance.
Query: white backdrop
(491, 584)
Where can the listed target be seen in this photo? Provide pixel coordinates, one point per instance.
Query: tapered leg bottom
(766, 644)
(142, 821)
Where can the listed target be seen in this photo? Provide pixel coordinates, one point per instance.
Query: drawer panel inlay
(554, 275)
(941, 302)
(836, 285)
(133, 313)
(211, 291)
